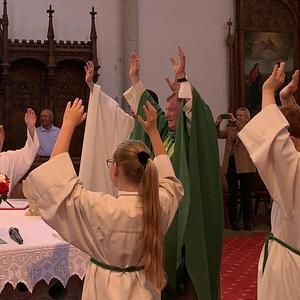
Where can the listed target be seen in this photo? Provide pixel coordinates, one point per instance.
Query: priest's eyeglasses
(109, 163)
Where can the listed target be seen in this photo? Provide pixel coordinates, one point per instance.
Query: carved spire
(230, 37)
(5, 33)
(93, 35)
(50, 34)
(5, 15)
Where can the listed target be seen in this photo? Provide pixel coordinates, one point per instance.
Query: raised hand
(150, 124)
(89, 74)
(276, 79)
(287, 93)
(2, 136)
(134, 68)
(179, 67)
(74, 113)
(173, 84)
(218, 120)
(30, 118)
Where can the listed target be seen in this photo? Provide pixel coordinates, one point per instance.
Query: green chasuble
(198, 225)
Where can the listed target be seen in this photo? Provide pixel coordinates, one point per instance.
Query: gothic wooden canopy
(41, 74)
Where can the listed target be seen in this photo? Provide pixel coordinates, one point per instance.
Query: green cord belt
(116, 269)
(271, 236)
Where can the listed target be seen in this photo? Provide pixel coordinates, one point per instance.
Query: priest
(194, 241)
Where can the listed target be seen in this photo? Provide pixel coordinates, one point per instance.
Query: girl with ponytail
(123, 235)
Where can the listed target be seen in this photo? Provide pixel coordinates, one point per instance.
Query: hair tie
(143, 157)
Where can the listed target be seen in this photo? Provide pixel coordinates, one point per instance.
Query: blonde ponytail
(132, 156)
(152, 238)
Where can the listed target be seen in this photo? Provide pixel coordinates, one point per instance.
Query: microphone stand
(4, 198)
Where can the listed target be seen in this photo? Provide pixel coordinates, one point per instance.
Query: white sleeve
(170, 188)
(107, 125)
(274, 155)
(134, 94)
(66, 206)
(19, 161)
(185, 92)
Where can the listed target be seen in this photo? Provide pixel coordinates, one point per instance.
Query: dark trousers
(233, 180)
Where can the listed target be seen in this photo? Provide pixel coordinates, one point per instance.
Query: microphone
(15, 235)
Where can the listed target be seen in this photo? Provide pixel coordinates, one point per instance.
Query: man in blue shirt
(47, 133)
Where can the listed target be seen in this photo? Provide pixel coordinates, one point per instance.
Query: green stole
(198, 223)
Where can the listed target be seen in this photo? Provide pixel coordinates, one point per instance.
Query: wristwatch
(183, 79)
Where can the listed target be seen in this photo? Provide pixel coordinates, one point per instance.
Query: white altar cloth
(43, 255)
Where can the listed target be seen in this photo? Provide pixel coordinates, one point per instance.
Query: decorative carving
(42, 74)
(254, 17)
(272, 15)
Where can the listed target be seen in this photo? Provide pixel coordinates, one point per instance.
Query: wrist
(134, 79)
(268, 90)
(153, 132)
(181, 75)
(67, 125)
(30, 127)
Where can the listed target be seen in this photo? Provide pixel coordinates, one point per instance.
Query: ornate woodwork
(41, 74)
(258, 16)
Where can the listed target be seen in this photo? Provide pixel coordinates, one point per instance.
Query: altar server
(272, 139)
(122, 234)
(15, 164)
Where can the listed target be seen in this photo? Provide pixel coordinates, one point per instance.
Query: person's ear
(115, 169)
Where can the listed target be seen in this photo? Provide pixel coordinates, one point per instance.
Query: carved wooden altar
(279, 18)
(41, 74)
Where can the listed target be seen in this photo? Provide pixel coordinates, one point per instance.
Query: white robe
(106, 228)
(107, 125)
(15, 164)
(267, 140)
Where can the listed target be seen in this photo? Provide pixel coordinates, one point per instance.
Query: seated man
(47, 133)
(15, 164)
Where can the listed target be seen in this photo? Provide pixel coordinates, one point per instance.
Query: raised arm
(137, 96)
(184, 86)
(89, 74)
(221, 133)
(19, 161)
(271, 147)
(74, 115)
(150, 126)
(170, 188)
(272, 84)
(287, 93)
(2, 137)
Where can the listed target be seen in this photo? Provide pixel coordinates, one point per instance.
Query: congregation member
(15, 164)
(272, 139)
(122, 234)
(47, 133)
(237, 166)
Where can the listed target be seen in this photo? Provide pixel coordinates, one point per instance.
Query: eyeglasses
(109, 163)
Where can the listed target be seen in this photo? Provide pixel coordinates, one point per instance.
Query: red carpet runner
(239, 266)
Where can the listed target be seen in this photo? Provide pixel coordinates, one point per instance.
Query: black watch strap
(182, 79)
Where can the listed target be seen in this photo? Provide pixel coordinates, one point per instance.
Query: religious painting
(262, 51)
